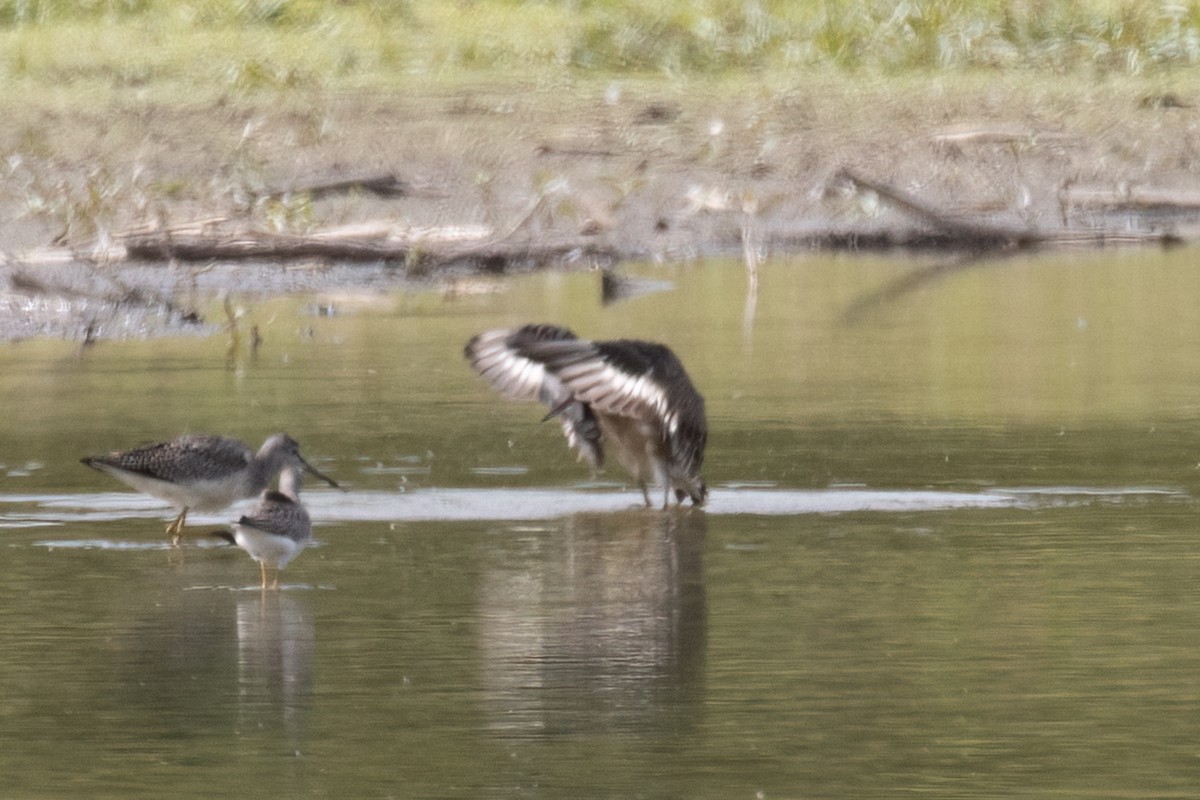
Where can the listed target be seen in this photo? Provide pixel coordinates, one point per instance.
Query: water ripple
(33, 510)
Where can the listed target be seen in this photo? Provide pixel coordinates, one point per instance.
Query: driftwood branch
(975, 234)
(384, 185)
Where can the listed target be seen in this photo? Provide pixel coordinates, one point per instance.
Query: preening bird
(202, 472)
(628, 396)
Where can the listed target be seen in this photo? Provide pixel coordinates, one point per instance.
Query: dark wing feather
(686, 422)
(613, 377)
(636, 379)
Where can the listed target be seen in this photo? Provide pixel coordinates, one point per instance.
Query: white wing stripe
(513, 375)
(615, 392)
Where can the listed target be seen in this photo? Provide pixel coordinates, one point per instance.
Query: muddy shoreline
(501, 181)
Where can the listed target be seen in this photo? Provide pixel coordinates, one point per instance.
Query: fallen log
(166, 245)
(1133, 199)
(493, 255)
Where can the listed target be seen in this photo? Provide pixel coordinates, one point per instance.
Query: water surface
(950, 550)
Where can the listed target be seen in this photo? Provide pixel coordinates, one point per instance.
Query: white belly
(267, 548)
(208, 495)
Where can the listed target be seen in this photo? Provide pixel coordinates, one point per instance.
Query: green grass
(226, 45)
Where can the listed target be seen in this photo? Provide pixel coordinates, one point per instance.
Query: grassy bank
(227, 45)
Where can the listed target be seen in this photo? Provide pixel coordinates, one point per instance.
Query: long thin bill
(317, 473)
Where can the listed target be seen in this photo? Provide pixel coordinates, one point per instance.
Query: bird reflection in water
(276, 640)
(599, 626)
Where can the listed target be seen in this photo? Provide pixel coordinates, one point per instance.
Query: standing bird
(632, 396)
(277, 529)
(202, 472)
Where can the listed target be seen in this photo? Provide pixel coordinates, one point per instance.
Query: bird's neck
(289, 483)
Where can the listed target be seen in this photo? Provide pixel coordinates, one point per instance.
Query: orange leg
(175, 529)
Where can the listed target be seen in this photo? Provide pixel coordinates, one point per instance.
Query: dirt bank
(512, 179)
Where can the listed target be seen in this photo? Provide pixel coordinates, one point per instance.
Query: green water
(950, 552)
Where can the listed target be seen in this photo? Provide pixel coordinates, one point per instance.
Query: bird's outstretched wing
(619, 378)
(508, 360)
(635, 379)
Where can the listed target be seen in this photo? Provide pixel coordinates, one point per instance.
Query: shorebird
(628, 395)
(277, 529)
(202, 472)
